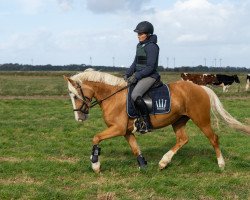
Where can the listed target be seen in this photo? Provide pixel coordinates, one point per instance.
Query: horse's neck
(103, 90)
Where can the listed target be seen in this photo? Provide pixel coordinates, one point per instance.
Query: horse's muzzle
(82, 117)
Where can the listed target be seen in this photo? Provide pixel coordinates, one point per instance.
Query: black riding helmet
(144, 27)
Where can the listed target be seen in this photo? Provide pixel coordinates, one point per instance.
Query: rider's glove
(132, 79)
(125, 77)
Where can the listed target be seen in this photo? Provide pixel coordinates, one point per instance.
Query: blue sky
(62, 32)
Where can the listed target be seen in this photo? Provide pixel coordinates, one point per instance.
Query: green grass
(44, 154)
(52, 83)
(26, 85)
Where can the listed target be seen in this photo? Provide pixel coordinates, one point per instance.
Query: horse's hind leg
(214, 140)
(181, 139)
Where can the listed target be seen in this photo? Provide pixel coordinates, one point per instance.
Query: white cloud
(26, 41)
(32, 6)
(188, 30)
(198, 20)
(65, 5)
(193, 29)
(192, 5)
(111, 6)
(191, 38)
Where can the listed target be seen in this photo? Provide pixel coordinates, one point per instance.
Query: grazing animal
(225, 81)
(211, 79)
(188, 101)
(199, 79)
(247, 82)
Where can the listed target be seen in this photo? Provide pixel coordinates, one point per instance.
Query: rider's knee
(134, 96)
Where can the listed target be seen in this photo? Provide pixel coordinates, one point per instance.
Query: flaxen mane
(97, 76)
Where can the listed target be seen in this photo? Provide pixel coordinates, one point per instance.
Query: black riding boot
(146, 125)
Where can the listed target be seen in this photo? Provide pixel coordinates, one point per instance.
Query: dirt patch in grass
(106, 196)
(20, 180)
(36, 97)
(64, 159)
(14, 160)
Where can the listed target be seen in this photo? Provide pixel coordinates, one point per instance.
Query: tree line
(82, 67)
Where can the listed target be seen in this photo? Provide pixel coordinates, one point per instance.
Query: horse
(188, 101)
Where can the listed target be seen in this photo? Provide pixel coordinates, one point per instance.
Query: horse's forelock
(73, 90)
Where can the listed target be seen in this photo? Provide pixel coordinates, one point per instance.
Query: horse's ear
(69, 80)
(66, 78)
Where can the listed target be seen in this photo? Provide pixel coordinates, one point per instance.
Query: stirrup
(141, 126)
(145, 128)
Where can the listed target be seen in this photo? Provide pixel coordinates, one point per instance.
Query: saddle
(157, 99)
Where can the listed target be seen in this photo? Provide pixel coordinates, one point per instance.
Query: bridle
(86, 101)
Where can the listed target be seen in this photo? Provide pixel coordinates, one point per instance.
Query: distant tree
(82, 67)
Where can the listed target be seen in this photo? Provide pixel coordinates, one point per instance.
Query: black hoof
(143, 168)
(141, 162)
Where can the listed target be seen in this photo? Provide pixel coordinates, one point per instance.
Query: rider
(143, 72)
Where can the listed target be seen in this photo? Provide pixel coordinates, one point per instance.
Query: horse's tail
(217, 106)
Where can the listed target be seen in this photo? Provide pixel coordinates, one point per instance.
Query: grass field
(44, 152)
(52, 83)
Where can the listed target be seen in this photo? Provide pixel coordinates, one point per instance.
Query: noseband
(86, 102)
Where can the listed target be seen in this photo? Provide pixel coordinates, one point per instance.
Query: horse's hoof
(96, 167)
(143, 168)
(222, 167)
(162, 165)
(221, 163)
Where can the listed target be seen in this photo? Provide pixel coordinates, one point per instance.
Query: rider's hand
(125, 77)
(132, 79)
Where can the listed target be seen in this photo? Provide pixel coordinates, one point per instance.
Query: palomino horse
(188, 101)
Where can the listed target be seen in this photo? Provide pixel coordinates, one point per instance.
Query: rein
(100, 101)
(87, 101)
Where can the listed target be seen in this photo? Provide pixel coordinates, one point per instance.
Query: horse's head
(81, 96)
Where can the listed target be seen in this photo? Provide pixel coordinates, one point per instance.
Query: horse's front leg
(130, 137)
(112, 131)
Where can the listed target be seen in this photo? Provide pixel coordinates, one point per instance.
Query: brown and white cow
(199, 79)
(211, 79)
(247, 82)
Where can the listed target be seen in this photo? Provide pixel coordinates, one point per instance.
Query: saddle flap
(157, 100)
